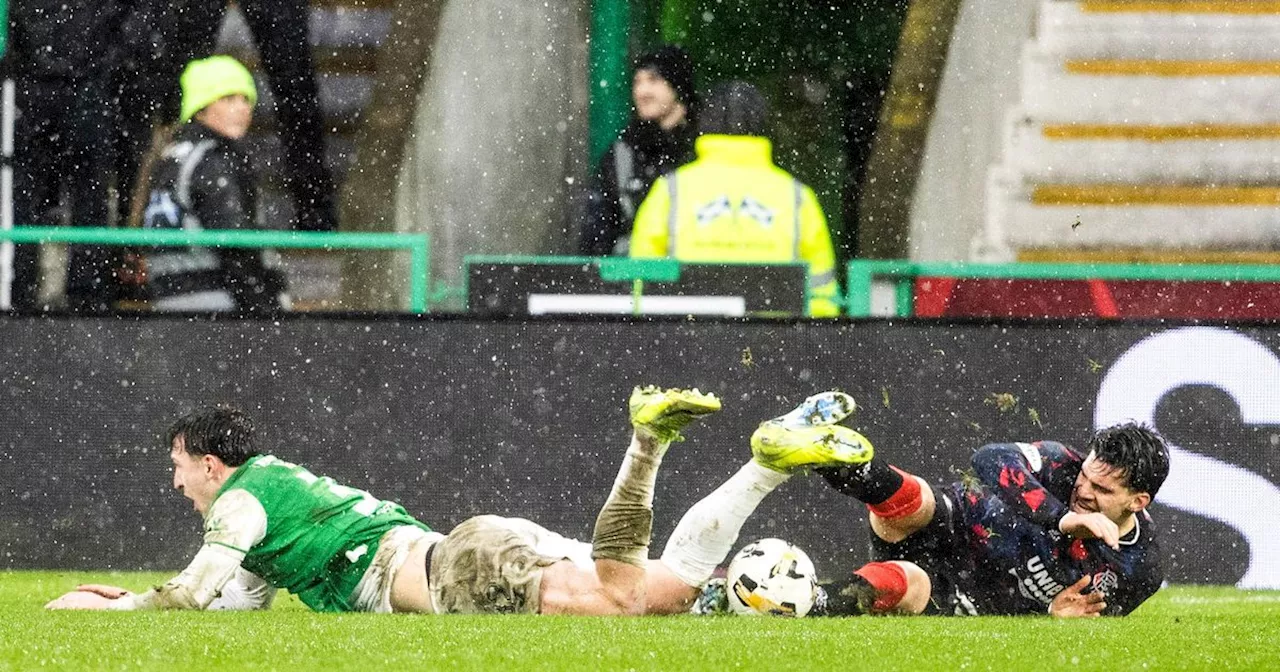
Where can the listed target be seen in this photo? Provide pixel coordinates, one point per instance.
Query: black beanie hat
(674, 65)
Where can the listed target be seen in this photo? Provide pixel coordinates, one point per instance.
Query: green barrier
(416, 243)
(4, 27)
(862, 273)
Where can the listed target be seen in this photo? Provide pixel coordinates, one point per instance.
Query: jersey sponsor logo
(1032, 454)
(1036, 584)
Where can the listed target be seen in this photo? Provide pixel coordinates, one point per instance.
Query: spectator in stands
(204, 180)
(658, 139)
(60, 57)
(734, 205)
(162, 36)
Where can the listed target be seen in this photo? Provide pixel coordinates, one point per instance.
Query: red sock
(906, 501)
(889, 580)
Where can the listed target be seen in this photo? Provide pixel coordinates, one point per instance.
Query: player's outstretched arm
(236, 522)
(1026, 475)
(195, 588)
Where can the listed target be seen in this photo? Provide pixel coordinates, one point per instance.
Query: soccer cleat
(786, 448)
(855, 597)
(712, 599)
(824, 408)
(663, 413)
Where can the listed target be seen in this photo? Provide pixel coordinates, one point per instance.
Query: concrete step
(1228, 30)
(1152, 216)
(1133, 255)
(1142, 153)
(1149, 92)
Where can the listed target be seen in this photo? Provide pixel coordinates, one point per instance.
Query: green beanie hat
(209, 79)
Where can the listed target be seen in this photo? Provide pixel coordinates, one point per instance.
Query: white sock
(708, 530)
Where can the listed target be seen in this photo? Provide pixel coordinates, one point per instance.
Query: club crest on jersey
(1106, 581)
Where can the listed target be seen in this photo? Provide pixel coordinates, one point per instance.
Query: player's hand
(109, 592)
(81, 599)
(1091, 525)
(1073, 602)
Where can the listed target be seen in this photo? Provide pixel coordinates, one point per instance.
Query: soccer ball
(771, 577)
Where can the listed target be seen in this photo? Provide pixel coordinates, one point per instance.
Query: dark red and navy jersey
(1021, 560)
(994, 546)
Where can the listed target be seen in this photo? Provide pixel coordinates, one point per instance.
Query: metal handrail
(417, 244)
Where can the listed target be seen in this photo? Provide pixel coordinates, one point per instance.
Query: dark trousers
(189, 30)
(62, 154)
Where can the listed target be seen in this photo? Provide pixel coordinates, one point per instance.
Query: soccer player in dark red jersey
(1041, 529)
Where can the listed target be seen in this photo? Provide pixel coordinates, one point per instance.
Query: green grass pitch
(1182, 628)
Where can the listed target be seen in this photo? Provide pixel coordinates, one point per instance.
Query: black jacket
(63, 39)
(642, 153)
(206, 181)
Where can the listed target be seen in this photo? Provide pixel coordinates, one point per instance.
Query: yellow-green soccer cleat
(788, 448)
(663, 413)
(824, 408)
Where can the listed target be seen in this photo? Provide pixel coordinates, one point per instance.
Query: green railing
(861, 275)
(416, 243)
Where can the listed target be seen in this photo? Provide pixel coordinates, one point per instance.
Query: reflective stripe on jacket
(734, 205)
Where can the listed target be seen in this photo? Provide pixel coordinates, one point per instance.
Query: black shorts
(942, 551)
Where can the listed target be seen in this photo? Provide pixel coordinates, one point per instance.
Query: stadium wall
(966, 134)
(456, 416)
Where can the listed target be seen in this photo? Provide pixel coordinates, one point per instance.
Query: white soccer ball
(771, 577)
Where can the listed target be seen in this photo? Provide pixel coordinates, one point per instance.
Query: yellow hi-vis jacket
(734, 205)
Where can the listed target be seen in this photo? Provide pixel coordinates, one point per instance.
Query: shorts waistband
(431, 551)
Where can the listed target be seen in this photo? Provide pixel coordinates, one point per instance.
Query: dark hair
(225, 433)
(734, 108)
(1138, 451)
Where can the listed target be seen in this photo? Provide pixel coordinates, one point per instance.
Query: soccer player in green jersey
(271, 524)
